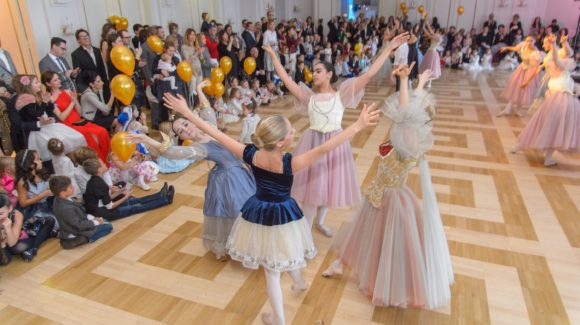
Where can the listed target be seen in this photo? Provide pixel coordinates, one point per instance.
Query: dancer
(523, 83)
(330, 182)
(272, 231)
(432, 61)
(556, 124)
(398, 252)
(229, 183)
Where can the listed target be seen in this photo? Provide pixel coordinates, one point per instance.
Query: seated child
(76, 226)
(63, 166)
(250, 123)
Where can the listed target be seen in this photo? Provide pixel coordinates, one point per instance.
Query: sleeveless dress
(272, 231)
(513, 90)
(330, 181)
(556, 123)
(96, 136)
(397, 250)
(431, 60)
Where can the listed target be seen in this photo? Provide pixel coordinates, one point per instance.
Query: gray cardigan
(72, 219)
(90, 104)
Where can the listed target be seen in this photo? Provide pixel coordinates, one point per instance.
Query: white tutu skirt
(38, 140)
(277, 248)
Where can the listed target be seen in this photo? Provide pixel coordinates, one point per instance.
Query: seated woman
(93, 108)
(66, 109)
(37, 118)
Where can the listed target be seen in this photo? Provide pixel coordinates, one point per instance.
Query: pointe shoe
(299, 287)
(506, 111)
(550, 162)
(324, 229)
(331, 272)
(268, 318)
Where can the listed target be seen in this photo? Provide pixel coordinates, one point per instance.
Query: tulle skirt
(556, 124)
(331, 180)
(431, 61)
(277, 248)
(167, 165)
(391, 249)
(514, 92)
(216, 231)
(38, 140)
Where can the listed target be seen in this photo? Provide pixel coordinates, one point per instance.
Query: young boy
(98, 198)
(76, 227)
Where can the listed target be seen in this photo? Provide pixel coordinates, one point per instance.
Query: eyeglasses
(84, 37)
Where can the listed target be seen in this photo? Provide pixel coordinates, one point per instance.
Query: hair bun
(257, 141)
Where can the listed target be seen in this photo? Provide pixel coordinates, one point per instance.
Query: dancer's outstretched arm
(179, 105)
(555, 49)
(369, 116)
(363, 80)
(512, 48)
(424, 78)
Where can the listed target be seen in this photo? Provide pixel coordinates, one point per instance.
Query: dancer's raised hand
(425, 77)
(369, 116)
(398, 41)
(403, 71)
(176, 104)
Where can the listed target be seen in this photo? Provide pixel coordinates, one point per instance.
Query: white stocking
(299, 284)
(321, 215)
(309, 213)
(275, 295)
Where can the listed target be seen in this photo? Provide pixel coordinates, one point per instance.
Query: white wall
(48, 19)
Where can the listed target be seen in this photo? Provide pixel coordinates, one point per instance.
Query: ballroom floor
(513, 228)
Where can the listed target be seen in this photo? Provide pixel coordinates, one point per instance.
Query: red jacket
(212, 47)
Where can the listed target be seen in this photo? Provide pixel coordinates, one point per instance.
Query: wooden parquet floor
(513, 228)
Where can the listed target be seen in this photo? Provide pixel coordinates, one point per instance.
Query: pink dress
(148, 169)
(513, 91)
(556, 123)
(8, 184)
(431, 60)
(397, 249)
(330, 181)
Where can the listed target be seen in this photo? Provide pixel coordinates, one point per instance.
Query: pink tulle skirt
(513, 91)
(330, 181)
(432, 61)
(555, 125)
(385, 249)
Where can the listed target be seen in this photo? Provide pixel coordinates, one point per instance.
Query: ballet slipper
(324, 229)
(549, 162)
(332, 272)
(299, 287)
(268, 319)
(506, 111)
(521, 113)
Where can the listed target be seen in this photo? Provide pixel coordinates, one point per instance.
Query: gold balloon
(184, 71)
(460, 10)
(123, 59)
(405, 11)
(123, 88)
(115, 19)
(249, 65)
(403, 6)
(121, 147)
(307, 75)
(226, 64)
(217, 75)
(186, 142)
(155, 44)
(209, 88)
(218, 89)
(122, 24)
(421, 9)
(358, 49)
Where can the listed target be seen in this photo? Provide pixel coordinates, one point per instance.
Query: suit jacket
(250, 40)
(82, 59)
(48, 64)
(6, 75)
(149, 56)
(72, 219)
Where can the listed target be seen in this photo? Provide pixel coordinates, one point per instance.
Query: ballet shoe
(324, 229)
(506, 111)
(514, 150)
(332, 272)
(549, 162)
(268, 319)
(301, 287)
(521, 113)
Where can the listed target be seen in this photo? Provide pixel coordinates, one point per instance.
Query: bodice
(391, 173)
(325, 114)
(62, 102)
(222, 157)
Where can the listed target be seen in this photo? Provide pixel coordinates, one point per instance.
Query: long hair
(26, 168)
(22, 84)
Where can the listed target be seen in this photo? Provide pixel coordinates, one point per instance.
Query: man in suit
(88, 58)
(136, 30)
(249, 36)
(55, 61)
(7, 67)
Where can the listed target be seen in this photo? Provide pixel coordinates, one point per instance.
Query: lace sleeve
(348, 96)
(301, 101)
(192, 152)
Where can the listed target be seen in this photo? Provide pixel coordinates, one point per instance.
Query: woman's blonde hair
(270, 131)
